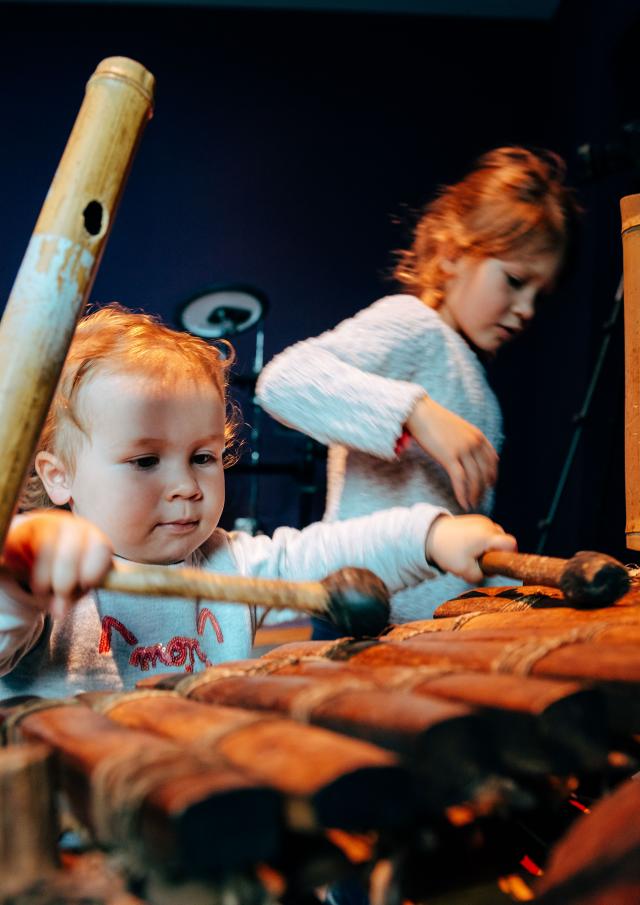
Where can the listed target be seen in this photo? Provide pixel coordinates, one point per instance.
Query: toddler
(134, 447)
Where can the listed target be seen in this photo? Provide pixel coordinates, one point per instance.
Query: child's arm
(334, 387)
(463, 451)
(401, 545)
(54, 557)
(456, 543)
(331, 387)
(58, 556)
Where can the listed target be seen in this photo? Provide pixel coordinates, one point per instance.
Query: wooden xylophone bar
(427, 714)
(561, 668)
(431, 739)
(599, 859)
(326, 780)
(134, 790)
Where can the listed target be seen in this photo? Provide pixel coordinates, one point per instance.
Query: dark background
(288, 150)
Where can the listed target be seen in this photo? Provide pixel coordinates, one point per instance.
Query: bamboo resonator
(630, 210)
(62, 259)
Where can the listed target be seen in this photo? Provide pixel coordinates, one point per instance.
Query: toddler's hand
(59, 556)
(463, 451)
(455, 543)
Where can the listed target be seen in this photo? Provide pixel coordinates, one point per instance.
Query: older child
(134, 446)
(399, 392)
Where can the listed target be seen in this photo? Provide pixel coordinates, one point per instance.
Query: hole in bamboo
(92, 215)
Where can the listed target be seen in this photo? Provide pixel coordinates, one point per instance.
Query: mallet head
(594, 579)
(358, 602)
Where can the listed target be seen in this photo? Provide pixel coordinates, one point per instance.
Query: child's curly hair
(116, 340)
(513, 201)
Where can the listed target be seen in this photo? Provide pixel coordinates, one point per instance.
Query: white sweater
(353, 389)
(108, 641)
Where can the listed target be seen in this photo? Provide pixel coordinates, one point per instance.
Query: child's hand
(455, 543)
(58, 555)
(463, 451)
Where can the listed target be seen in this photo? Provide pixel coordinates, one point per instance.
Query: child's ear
(449, 258)
(55, 476)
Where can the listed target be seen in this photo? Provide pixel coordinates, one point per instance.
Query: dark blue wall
(283, 149)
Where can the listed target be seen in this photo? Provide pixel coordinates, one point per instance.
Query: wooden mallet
(355, 600)
(588, 579)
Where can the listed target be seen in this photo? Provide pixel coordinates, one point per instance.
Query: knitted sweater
(353, 389)
(108, 641)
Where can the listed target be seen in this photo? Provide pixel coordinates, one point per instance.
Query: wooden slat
(630, 210)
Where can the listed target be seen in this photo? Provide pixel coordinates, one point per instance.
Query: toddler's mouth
(180, 526)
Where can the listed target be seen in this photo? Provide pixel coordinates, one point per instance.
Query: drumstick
(587, 579)
(355, 600)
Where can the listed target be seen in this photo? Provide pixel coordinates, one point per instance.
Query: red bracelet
(402, 442)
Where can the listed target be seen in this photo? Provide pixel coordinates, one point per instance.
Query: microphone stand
(250, 522)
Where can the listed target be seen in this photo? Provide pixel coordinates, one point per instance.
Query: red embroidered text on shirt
(175, 653)
(205, 615)
(108, 623)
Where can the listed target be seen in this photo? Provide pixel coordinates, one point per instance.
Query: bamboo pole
(630, 210)
(62, 259)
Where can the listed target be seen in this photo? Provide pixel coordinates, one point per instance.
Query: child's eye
(144, 463)
(514, 282)
(204, 458)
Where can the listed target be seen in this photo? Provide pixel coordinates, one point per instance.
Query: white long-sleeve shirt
(353, 388)
(108, 640)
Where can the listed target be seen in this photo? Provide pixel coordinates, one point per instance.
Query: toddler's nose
(183, 485)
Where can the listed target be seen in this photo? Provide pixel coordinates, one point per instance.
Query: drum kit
(221, 313)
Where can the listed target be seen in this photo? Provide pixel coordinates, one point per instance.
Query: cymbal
(222, 311)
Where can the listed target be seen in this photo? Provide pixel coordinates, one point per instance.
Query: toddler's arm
(401, 545)
(54, 557)
(57, 555)
(456, 543)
